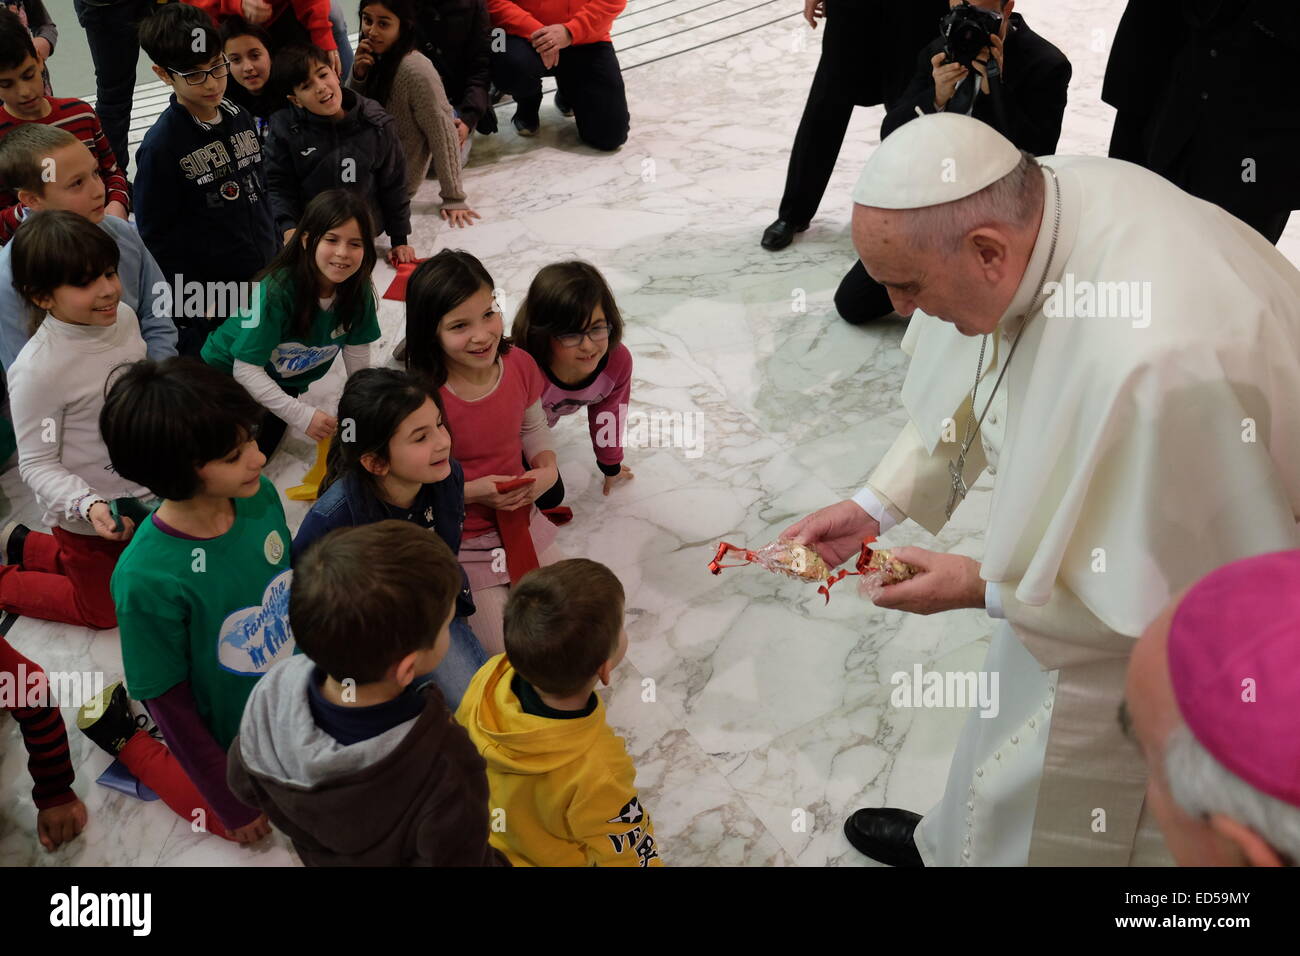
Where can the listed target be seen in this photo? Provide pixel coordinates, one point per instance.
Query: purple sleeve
(199, 755)
(611, 411)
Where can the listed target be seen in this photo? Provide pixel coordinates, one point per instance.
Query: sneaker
(12, 539)
(562, 105)
(107, 719)
(525, 128)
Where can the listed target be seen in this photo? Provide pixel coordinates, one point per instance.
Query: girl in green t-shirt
(314, 300)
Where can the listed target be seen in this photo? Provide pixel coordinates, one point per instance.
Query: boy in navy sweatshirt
(333, 138)
(201, 199)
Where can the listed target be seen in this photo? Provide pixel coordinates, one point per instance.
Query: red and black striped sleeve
(43, 731)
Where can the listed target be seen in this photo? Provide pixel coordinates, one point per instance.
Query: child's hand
(101, 518)
(462, 131)
(543, 479)
(612, 481)
(336, 63)
(460, 217)
(251, 833)
(322, 426)
(57, 825)
(363, 59)
(483, 491)
(115, 208)
(256, 12)
(401, 254)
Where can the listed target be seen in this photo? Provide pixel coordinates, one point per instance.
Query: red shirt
(485, 433)
(589, 21)
(77, 117)
(312, 14)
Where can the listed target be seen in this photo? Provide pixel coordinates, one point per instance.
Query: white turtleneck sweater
(56, 392)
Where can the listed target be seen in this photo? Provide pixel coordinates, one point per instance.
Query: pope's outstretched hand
(835, 532)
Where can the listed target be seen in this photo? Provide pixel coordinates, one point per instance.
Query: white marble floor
(766, 703)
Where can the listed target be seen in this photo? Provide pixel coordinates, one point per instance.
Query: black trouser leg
(114, 49)
(519, 71)
(591, 81)
(861, 298)
(821, 129)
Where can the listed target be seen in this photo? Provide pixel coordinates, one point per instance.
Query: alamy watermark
(180, 299)
(962, 689)
(1084, 299)
(654, 429)
(40, 688)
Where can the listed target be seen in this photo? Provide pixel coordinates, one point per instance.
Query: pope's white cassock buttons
(935, 159)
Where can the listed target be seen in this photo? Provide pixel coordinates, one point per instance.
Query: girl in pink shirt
(455, 338)
(571, 326)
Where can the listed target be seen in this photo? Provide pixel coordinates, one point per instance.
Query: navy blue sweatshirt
(440, 507)
(201, 202)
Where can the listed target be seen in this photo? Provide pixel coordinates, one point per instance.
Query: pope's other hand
(945, 582)
(835, 532)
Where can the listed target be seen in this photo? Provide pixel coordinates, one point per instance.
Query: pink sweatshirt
(487, 433)
(605, 395)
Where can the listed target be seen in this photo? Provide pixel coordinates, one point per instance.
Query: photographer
(1022, 97)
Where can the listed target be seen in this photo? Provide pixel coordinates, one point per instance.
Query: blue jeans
(110, 33)
(339, 21)
(465, 656)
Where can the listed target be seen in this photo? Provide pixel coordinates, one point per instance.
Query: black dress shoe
(780, 234)
(885, 835)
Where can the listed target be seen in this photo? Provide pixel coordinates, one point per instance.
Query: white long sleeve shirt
(56, 392)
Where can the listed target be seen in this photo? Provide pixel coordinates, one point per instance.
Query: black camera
(965, 30)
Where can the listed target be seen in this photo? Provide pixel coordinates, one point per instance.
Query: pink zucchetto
(1234, 661)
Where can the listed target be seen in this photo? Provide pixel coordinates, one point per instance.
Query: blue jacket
(142, 283)
(350, 502)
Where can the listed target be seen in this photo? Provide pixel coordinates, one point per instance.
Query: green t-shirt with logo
(263, 336)
(214, 611)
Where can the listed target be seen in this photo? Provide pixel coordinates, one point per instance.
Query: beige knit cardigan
(425, 126)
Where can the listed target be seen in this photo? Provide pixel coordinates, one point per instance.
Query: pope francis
(1124, 360)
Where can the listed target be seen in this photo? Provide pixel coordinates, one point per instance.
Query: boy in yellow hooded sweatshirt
(563, 788)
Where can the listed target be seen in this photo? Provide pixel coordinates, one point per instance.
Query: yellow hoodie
(562, 791)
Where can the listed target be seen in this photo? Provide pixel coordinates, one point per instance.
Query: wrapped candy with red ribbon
(800, 561)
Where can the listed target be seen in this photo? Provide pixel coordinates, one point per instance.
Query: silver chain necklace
(956, 469)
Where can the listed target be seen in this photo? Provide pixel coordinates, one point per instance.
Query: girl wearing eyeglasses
(570, 324)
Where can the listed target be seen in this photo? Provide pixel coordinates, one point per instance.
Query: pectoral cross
(959, 488)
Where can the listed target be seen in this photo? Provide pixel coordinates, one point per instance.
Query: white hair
(1011, 201)
(1201, 785)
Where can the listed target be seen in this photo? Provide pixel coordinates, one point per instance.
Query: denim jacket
(439, 506)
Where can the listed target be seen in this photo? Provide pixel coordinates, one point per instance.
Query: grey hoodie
(415, 795)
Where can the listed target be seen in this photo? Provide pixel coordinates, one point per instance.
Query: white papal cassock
(1131, 454)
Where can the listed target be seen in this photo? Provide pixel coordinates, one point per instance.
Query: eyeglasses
(199, 77)
(597, 333)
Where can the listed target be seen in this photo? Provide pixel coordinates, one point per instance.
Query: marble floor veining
(758, 716)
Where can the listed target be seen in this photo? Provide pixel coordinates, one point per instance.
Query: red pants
(64, 577)
(155, 767)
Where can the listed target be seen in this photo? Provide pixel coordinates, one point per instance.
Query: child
(389, 70)
(201, 593)
(491, 392)
(50, 169)
(60, 814)
(202, 206)
(560, 775)
(314, 298)
(25, 101)
(346, 756)
(33, 15)
(570, 324)
(248, 48)
(333, 137)
(287, 22)
(67, 267)
(397, 463)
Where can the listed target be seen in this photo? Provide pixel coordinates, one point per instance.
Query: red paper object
(397, 289)
(800, 561)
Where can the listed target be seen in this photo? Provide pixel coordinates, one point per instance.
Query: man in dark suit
(865, 59)
(1204, 97)
(1023, 98)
